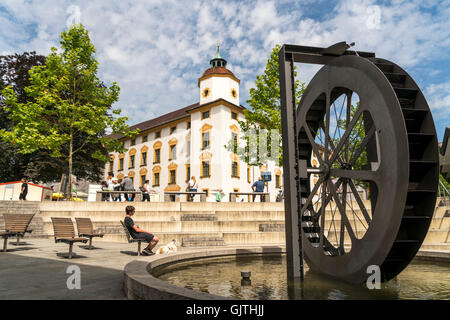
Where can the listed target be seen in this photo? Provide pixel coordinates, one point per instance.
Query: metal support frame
(294, 254)
(293, 220)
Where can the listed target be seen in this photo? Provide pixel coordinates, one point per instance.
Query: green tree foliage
(265, 113)
(14, 72)
(69, 103)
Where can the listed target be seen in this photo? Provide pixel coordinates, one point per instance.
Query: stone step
(272, 227)
(198, 217)
(202, 241)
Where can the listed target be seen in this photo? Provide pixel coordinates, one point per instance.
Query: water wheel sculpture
(361, 164)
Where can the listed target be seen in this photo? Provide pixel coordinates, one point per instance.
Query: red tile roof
(166, 118)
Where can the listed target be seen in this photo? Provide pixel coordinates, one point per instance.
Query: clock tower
(218, 82)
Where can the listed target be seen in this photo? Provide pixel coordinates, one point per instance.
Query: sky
(157, 49)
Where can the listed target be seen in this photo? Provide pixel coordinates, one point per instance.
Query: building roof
(220, 71)
(171, 116)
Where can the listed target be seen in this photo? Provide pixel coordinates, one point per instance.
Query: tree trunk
(70, 165)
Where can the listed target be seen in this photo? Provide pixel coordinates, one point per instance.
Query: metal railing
(444, 194)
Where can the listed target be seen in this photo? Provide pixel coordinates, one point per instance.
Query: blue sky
(157, 49)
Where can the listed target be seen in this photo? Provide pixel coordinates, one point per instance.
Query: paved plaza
(38, 270)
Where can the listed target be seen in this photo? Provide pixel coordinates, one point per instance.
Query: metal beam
(294, 257)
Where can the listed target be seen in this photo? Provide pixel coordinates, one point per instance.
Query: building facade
(191, 142)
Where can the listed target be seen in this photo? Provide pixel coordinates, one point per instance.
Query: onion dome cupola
(218, 82)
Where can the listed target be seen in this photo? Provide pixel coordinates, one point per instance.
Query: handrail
(443, 192)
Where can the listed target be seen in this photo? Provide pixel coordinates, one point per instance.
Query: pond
(222, 276)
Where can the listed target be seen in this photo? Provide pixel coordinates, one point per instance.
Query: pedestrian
(117, 187)
(23, 190)
(146, 191)
(138, 233)
(127, 185)
(193, 187)
(219, 195)
(258, 186)
(104, 188)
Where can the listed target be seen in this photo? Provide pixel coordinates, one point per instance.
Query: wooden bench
(65, 233)
(264, 196)
(101, 192)
(16, 225)
(86, 230)
(130, 239)
(169, 194)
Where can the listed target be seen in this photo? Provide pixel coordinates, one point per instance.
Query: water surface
(221, 276)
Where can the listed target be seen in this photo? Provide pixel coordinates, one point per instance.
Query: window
(157, 134)
(172, 130)
(157, 156)
(144, 158)
(133, 142)
(188, 172)
(156, 179)
(131, 161)
(205, 114)
(205, 140)
(188, 125)
(143, 178)
(234, 115)
(121, 164)
(173, 176)
(144, 138)
(234, 137)
(173, 152)
(277, 181)
(111, 165)
(235, 169)
(205, 169)
(207, 192)
(132, 180)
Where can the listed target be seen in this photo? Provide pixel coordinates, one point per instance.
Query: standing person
(193, 186)
(127, 185)
(23, 190)
(219, 195)
(146, 195)
(117, 187)
(258, 186)
(138, 233)
(104, 188)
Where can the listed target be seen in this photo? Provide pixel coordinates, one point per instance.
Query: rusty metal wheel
(367, 136)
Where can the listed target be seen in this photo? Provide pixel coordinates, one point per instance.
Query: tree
(69, 102)
(265, 114)
(14, 72)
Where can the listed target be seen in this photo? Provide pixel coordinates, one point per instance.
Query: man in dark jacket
(138, 233)
(127, 185)
(23, 190)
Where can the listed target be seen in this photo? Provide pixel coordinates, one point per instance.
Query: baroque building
(191, 142)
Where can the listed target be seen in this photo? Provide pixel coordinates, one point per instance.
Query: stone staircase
(24, 207)
(197, 224)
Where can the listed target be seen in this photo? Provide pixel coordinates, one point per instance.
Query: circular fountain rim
(140, 284)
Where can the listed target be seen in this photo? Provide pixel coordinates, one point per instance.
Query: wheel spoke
(365, 175)
(312, 193)
(360, 202)
(342, 211)
(363, 144)
(347, 121)
(327, 126)
(346, 134)
(313, 144)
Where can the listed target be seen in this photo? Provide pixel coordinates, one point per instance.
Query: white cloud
(156, 50)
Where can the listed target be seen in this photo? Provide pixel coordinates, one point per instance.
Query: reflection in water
(222, 276)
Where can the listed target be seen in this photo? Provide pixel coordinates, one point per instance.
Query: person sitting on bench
(138, 233)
